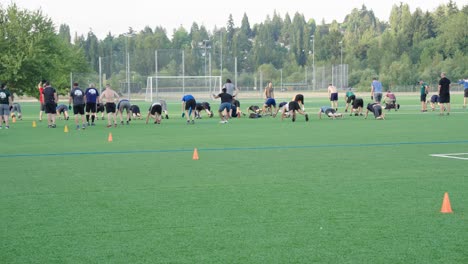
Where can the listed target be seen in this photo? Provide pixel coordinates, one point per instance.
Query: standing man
(188, 105)
(231, 88)
(110, 97)
(444, 94)
(269, 99)
(424, 92)
(40, 87)
(465, 88)
(6, 101)
(333, 95)
(50, 104)
(91, 99)
(376, 91)
(349, 98)
(77, 96)
(226, 100)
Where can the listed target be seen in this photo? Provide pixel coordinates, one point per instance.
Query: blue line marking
(229, 149)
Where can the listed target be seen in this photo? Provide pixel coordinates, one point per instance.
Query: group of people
(442, 98)
(88, 103)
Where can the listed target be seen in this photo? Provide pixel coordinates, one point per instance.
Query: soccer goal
(173, 87)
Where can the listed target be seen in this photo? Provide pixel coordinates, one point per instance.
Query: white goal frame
(213, 84)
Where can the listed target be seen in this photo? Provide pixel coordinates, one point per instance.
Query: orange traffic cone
(446, 208)
(195, 154)
(13, 119)
(110, 137)
(65, 129)
(34, 124)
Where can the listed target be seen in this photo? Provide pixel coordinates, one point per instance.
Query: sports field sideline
(262, 191)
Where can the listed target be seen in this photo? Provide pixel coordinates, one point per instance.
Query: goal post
(174, 87)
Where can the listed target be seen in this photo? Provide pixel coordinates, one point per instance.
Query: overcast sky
(102, 16)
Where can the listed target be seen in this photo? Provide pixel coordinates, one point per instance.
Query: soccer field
(263, 190)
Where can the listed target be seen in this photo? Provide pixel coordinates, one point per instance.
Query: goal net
(174, 87)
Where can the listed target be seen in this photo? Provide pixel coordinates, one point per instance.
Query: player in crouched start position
(203, 106)
(294, 108)
(375, 108)
(155, 111)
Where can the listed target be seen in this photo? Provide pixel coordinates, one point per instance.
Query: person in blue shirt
(465, 87)
(376, 90)
(188, 106)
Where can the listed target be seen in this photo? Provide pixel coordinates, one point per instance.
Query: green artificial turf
(263, 190)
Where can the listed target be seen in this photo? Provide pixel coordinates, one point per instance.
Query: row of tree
(407, 47)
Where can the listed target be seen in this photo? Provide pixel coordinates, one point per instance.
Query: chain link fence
(128, 73)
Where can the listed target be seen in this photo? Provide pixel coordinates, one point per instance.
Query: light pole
(205, 43)
(127, 64)
(313, 62)
(341, 65)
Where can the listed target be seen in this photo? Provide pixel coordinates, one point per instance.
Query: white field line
(451, 156)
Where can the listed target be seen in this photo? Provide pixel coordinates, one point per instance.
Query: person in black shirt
(226, 100)
(444, 94)
(50, 103)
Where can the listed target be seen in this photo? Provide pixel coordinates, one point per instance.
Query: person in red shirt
(40, 87)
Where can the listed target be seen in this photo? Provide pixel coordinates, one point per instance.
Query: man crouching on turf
(293, 108)
(329, 111)
(204, 106)
(375, 108)
(155, 112)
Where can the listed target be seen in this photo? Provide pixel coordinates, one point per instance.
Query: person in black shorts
(110, 97)
(100, 109)
(444, 94)
(50, 102)
(376, 109)
(235, 109)
(77, 96)
(155, 111)
(91, 99)
(358, 104)
(135, 109)
(300, 99)
(203, 106)
(294, 108)
(188, 105)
